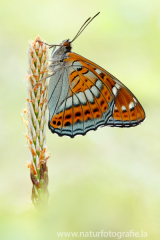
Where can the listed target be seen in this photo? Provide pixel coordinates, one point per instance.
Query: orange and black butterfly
(83, 96)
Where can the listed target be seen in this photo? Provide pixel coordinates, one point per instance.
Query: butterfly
(83, 96)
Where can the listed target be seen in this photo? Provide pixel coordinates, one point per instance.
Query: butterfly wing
(128, 112)
(83, 96)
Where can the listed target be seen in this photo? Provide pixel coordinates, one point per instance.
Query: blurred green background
(110, 179)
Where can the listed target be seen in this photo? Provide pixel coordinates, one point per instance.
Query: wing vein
(55, 87)
(64, 110)
(72, 100)
(58, 98)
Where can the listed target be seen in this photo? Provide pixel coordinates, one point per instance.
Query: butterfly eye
(79, 69)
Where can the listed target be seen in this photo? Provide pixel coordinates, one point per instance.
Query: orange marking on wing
(78, 114)
(104, 76)
(125, 98)
(126, 95)
(96, 110)
(56, 121)
(119, 102)
(87, 112)
(106, 94)
(140, 112)
(108, 80)
(137, 112)
(80, 84)
(67, 117)
(118, 114)
(73, 75)
(103, 105)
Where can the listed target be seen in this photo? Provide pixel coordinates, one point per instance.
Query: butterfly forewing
(128, 111)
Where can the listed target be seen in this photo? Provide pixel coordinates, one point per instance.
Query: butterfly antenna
(84, 26)
(81, 28)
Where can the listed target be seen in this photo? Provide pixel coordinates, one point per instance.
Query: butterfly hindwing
(87, 105)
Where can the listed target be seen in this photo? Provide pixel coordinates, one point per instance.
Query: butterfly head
(66, 45)
(63, 48)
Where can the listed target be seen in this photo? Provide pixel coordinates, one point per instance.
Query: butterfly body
(83, 96)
